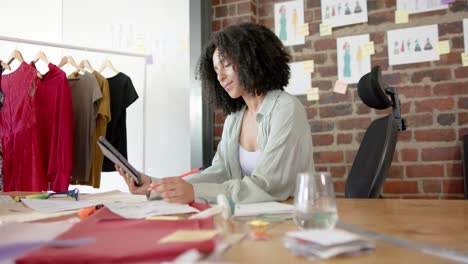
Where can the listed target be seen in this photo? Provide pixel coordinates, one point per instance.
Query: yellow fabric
(104, 117)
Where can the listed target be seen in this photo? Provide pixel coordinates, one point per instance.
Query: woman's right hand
(134, 189)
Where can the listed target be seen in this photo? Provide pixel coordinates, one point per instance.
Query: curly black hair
(257, 55)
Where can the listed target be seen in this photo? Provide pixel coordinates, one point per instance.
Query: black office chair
(374, 157)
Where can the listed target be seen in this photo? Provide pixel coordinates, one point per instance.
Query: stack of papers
(324, 244)
(254, 209)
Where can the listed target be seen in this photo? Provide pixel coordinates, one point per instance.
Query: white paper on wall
(300, 79)
(465, 33)
(420, 6)
(352, 63)
(343, 12)
(288, 16)
(412, 45)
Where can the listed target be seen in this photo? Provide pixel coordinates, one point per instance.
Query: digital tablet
(114, 155)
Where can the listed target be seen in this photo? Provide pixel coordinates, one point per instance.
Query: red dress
(22, 161)
(55, 123)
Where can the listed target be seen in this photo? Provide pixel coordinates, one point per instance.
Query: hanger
(41, 56)
(84, 64)
(5, 66)
(108, 64)
(15, 55)
(69, 60)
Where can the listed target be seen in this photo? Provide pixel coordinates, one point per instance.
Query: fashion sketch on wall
(412, 45)
(300, 80)
(339, 13)
(288, 16)
(420, 6)
(465, 33)
(352, 63)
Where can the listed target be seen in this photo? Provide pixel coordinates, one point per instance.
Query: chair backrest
(373, 159)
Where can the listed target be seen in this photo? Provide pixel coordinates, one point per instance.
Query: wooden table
(440, 223)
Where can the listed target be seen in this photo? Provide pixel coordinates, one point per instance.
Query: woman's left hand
(174, 190)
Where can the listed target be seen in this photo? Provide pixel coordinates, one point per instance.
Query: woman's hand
(174, 190)
(145, 180)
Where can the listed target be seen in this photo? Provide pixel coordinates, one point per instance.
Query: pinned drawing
(288, 16)
(465, 33)
(339, 13)
(420, 6)
(352, 63)
(419, 43)
(300, 80)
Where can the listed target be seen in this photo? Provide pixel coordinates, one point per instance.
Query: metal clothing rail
(147, 57)
(74, 47)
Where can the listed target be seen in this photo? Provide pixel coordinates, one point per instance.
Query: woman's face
(227, 76)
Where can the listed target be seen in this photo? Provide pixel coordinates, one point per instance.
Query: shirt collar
(268, 103)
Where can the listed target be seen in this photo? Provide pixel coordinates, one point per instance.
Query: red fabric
(121, 240)
(55, 122)
(22, 160)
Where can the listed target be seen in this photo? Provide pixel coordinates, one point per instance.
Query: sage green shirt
(285, 143)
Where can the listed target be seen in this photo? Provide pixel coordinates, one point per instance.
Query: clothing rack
(147, 57)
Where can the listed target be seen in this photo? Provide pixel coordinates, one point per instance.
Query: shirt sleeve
(131, 95)
(287, 152)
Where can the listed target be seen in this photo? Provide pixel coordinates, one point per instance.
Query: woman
(266, 137)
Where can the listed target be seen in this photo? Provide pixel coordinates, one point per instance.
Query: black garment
(122, 95)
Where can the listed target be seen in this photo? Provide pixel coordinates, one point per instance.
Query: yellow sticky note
(401, 16)
(443, 47)
(340, 87)
(313, 94)
(189, 236)
(303, 29)
(368, 48)
(325, 29)
(308, 66)
(464, 57)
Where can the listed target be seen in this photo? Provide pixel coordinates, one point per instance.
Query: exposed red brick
(382, 62)
(244, 8)
(328, 157)
(450, 28)
(412, 91)
(311, 112)
(339, 186)
(321, 126)
(430, 104)
(312, 3)
(232, 10)
(269, 22)
(463, 103)
(216, 25)
(451, 88)
(325, 44)
(322, 140)
(405, 136)
(432, 186)
(215, 2)
(462, 119)
(362, 109)
(395, 172)
(409, 155)
(338, 172)
(336, 110)
(435, 135)
(375, 5)
(457, 43)
(458, 6)
(419, 65)
(318, 58)
(454, 170)
(425, 171)
(344, 139)
(377, 18)
(400, 187)
(453, 58)
(461, 72)
(453, 186)
(435, 75)
(354, 123)
(221, 11)
(236, 20)
(419, 120)
(265, 10)
(429, 14)
(218, 131)
(441, 153)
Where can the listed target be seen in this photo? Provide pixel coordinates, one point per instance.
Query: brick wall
(434, 97)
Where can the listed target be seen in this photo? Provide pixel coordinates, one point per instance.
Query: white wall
(160, 144)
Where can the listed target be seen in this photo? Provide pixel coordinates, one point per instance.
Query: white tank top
(247, 160)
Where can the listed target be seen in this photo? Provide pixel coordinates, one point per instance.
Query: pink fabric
(55, 122)
(23, 168)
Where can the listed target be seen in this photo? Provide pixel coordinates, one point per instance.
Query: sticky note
(443, 47)
(464, 57)
(303, 30)
(340, 87)
(368, 48)
(308, 66)
(189, 236)
(401, 16)
(313, 94)
(325, 29)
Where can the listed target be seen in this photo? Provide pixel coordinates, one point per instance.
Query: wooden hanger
(15, 55)
(84, 64)
(108, 64)
(69, 60)
(41, 56)
(5, 66)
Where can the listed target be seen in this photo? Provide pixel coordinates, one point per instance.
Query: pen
(182, 175)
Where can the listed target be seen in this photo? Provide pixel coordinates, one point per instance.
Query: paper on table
(148, 208)
(189, 236)
(6, 199)
(114, 196)
(324, 237)
(18, 212)
(262, 208)
(56, 205)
